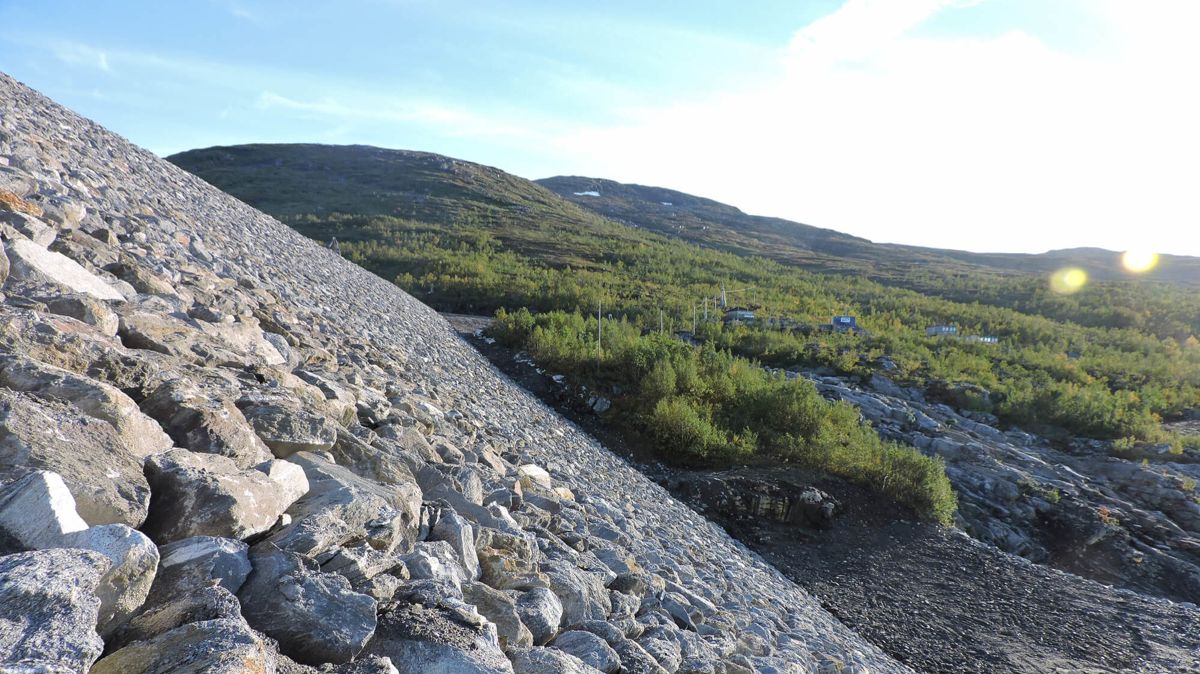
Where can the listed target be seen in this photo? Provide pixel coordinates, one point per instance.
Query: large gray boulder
(460, 535)
(342, 508)
(103, 475)
(539, 660)
(163, 613)
(209, 647)
(541, 612)
(205, 423)
(202, 560)
(206, 495)
(589, 648)
(582, 594)
(437, 640)
(32, 262)
(140, 434)
(38, 512)
(501, 610)
(289, 429)
(195, 581)
(87, 309)
(50, 609)
(316, 617)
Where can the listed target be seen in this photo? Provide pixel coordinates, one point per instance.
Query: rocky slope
(1121, 521)
(225, 449)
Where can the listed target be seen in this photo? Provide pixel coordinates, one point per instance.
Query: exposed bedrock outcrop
(223, 448)
(1125, 522)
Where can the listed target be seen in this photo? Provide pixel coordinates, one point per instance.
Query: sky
(985, 125)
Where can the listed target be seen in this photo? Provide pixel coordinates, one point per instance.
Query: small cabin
(738, 316)
(844, 324)
(941, 331)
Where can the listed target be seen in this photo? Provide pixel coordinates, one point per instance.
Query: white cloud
(75, 53)
(998, 143)
(353, 105)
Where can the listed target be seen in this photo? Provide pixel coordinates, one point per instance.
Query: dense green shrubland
(704, 405)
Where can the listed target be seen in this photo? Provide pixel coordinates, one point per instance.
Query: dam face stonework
(243, 453)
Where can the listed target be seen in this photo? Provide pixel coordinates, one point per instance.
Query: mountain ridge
(644, 205)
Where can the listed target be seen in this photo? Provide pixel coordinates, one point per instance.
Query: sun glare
(1139, 261)
(1068, 280)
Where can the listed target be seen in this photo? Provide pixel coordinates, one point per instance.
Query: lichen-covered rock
(428, 640)
(209, 647)
(49, 609)
(316, 617)
(206, 495)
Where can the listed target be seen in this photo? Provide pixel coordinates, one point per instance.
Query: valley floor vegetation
(1056, 377)
(701, 405)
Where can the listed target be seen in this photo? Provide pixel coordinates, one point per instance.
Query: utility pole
(660, 328)
(693, 318)
(599, 304)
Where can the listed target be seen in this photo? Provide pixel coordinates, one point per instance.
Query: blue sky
(1010, 125)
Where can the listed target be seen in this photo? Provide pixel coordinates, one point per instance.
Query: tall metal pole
(693, 318)
(599, 305)
(660, 329)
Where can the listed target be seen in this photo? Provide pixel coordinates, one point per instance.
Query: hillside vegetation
(1108, 362)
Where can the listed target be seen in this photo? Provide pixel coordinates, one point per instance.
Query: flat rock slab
(32, 262)
(100, 471)
(141, 434)
(50, 609)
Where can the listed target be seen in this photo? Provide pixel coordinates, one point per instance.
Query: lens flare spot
(1139, 261)
(1069, 280)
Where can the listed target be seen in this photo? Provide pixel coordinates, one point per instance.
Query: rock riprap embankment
(225, 449)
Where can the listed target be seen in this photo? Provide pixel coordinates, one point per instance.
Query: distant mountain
(712, 223)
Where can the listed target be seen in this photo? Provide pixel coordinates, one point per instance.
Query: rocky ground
(225, 449)
(933, 598)
(1130, 521)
